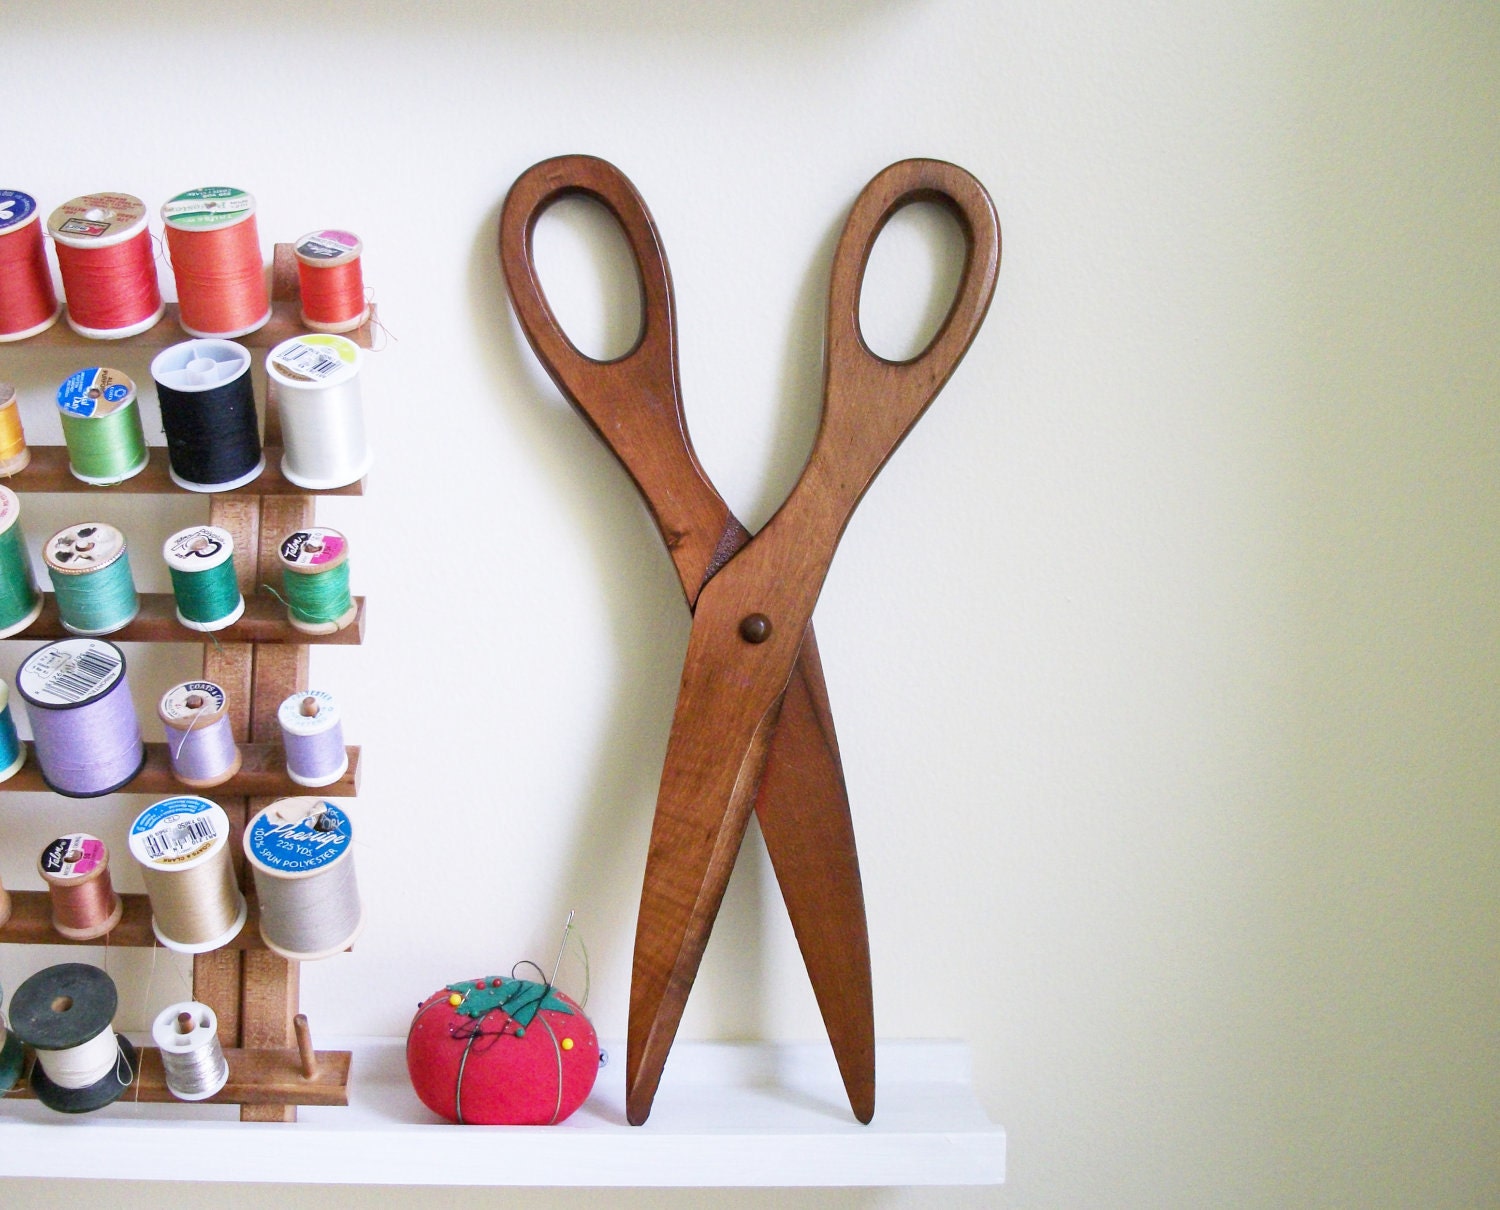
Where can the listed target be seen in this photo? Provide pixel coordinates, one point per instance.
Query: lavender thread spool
(313, 735)
(87, 740)
(301, 853)
(200, 737)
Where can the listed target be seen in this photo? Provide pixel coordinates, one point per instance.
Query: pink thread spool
(200, 736)
(82, 717)
(76, 870)
(313, 735)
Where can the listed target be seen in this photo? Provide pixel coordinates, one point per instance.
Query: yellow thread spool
(14, 456)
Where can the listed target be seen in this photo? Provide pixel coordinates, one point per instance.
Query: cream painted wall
(1164, 654)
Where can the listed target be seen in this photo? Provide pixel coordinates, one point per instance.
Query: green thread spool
(201, 562)
(90, 570)
(101, 423)
(315, 581)
(20, 601)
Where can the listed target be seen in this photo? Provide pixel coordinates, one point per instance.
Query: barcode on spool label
(185, 834)
(308, 361)
(78, 680)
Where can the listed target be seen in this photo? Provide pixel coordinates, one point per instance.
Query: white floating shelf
(725, 1115)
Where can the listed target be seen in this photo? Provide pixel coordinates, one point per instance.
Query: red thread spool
(331, 281)
(76, 870)
(108, 265)
(28, 303)
(215, 250)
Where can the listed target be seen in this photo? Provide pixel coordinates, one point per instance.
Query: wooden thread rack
(260, 661)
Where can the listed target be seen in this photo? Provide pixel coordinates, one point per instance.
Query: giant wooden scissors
(753, 724)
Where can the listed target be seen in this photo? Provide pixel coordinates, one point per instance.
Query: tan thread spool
(75, 868)
(182, 847)
(14, 456)
(4, 905)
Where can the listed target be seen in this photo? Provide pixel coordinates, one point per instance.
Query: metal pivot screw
(755, 628)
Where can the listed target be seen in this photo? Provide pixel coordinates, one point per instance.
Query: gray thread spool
(301, 855)
(187, 1036)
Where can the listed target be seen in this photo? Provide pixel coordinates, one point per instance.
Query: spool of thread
(14, 456)
(90, 570)
(200, 736)
(187, 1037)
(201, 562)
(315, 383)
(20, 602)
(4, 905)
(76, 870)
(12, 1054)
(108, 265)
(208, 411)
(28, 303)
(315, 580)
(182, 847)
(101, 423)
(331, 281)
(64, 1013)
(301, 855)
(313, 734)
(215, 250)
(86, 739)
(12, 754)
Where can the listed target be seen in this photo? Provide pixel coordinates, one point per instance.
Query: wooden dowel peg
(305, 1047)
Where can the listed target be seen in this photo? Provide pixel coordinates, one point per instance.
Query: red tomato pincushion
(501, 1052)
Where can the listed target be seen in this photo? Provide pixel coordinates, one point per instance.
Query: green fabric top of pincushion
(520, 999)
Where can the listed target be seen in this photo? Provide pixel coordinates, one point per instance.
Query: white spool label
(299, 717)
(209, 208)
(328, 247)
(198, 548)
(85, 547)
(71, 671)
(10, 508)
(314, 548)
(94, 392)
(75, 855)
(320, 358)
(17, 208)
(299, 835)
(176, 703)
(98, 218)
(177, 831)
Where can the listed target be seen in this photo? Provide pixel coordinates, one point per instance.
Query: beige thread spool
(76, 870)
(14, 456)
(301, 855)
(182, 847)
(4, 905)
(200, 739)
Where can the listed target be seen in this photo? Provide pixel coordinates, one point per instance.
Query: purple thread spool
(82, 718)
(200, 739)
(313, 735)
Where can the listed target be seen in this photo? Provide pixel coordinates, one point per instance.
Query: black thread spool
(64, 1008)
(208, 411)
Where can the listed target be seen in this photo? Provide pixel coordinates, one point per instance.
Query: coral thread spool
(20, 601)
(86, 737)
(312, 733)
(315, 580)
(108, 266)
(215, 250)
(182, 847)
(200, 560)
(200, 735)
(208, 412)
(14, 456)
(331, 281)
(28, 303)
(89, 566)
(64, 1013)
(301, 853)
(187, 1036)
(101, 423)
(314, 381)
(76, 870)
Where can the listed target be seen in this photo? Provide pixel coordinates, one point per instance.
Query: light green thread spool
(315, 581)
(20, 602)
(90, 571)
(201, 562)
(101, 423)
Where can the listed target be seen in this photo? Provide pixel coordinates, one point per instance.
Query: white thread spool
(314, 381)
(182, 847)
(200, 735)
(312, 733)
(187, 1035)
(301, 855)
(64, 1013)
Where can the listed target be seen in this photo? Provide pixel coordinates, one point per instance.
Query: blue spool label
(178, 831)
(299, 835)
(15, 208)
(95, 391)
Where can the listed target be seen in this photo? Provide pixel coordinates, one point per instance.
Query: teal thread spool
(12, 754)
(20, 601)
(90, 570)
(315, 581)
(12, 1058)
(201, 562)
(101, 423)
